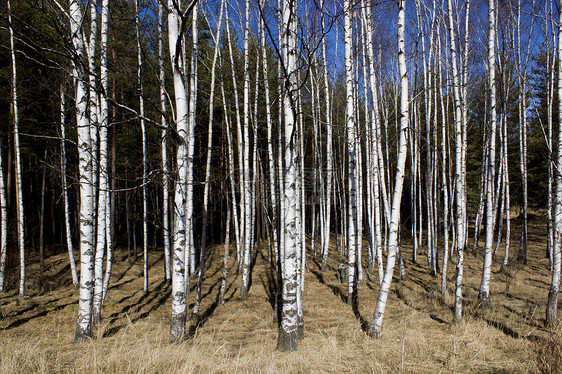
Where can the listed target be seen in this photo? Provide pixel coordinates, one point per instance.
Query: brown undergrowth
(240, 336)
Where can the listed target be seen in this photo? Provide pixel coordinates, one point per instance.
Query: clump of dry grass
(549, 351)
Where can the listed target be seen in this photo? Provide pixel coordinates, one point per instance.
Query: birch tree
(179, 307)
(208, 167)
(375, 326)
(460, 190)
(329, 155)
(288, 335)
(67, 224)
(3, 208)
(190, 248)
(83, 324)
(484, 295)
(102, 230)
(552, 303)
(248, 220)
(144, 149)
(164, 145)
(17, 150)
(351, 156)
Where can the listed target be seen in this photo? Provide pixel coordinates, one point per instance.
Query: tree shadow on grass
(152, 301)
(343, 297)
(202, 318)
(132, 264)
(43, 313)
(335, 290)
(359, 317)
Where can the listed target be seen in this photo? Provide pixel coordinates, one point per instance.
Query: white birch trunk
(458, 168)
(507, 199)
(144, 151)
(4, 223)
(102, 233)
(484, 295)
(179, 310)
(190, 247)
(444, 181)
(375, 327)
(164, 145)
(248, 221)
(552, 304)
(522, 67)
(225, 256)
(351, 157)
(238, 223)
(93, 104)
(271, 158)
(3, 198)
(288, 334)
(83, 324)
(19, 197)
(375, 145)
(67, 224)
(329, 154)
(231, 168)
(208, 168)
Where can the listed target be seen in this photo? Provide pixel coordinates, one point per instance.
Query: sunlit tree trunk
(42, 220)
(164, 142)
(375, 140)
(506, 194)
(458, 168)
(239, 224)
(288, 334)
(102, 233)
(271, 157)
(444, 181)
(193, 78)
(522, 67)
(484, 295)
(208, 168)
(225, 256)
(83, 324)
(179, 310)
(144, 149)
(351, 157)
(17, 150)
(551, 62)
(329, 153)
(375, 327)
(248, 219)
(552, 304)
(231, 167)
(3, 192)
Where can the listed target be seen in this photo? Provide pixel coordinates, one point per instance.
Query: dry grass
(549, 351)
(240, 336)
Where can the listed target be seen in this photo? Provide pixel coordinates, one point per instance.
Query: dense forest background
(42, 58)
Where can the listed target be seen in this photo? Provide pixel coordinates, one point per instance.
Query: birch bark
(19, 195)
(484, 295)
(552, 304)
(83, 324)
(164, 145)
(351, 156)
(458, 168)
(179, 310)
(375, 327)
(288, 335)
(208, 167)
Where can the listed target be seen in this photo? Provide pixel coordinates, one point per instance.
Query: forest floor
(36, 335)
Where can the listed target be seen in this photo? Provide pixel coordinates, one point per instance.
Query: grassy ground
(240, 336)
